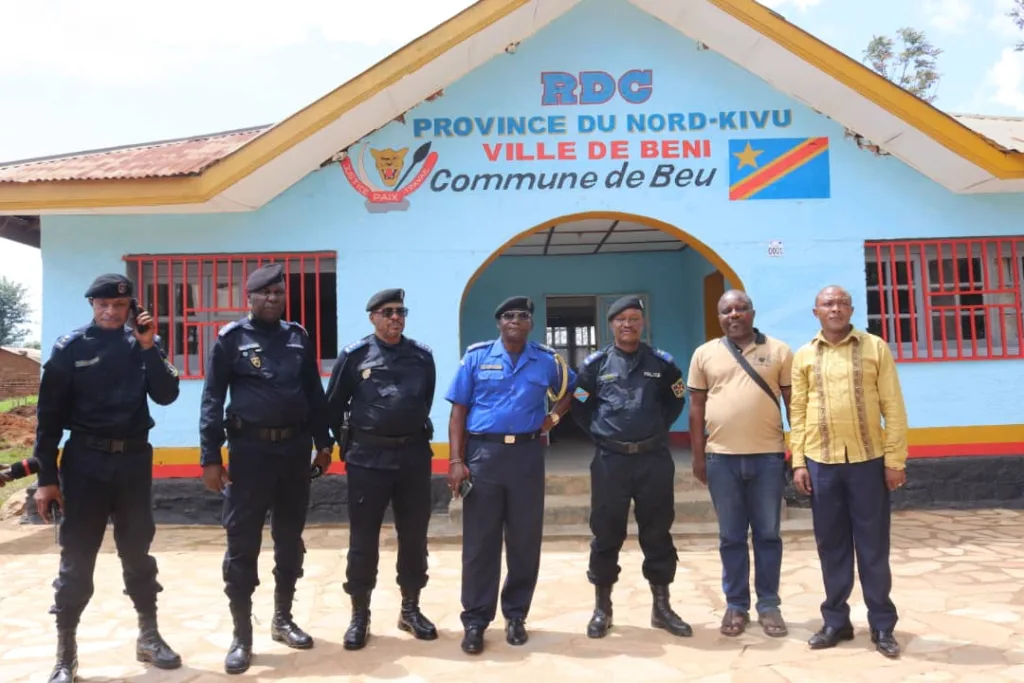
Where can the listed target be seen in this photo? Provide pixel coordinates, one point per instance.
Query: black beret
(109, 286)
(264, 276)
(623, 304)
(385, 296)
(514, 303)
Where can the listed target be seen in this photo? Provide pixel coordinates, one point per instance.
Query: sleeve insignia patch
(581, 394)
(678, 388)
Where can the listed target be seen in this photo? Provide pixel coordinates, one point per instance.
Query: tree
(14, 311)
(913, 67)
(1016, 13)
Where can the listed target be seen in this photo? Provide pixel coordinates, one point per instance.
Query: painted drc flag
(779, 168)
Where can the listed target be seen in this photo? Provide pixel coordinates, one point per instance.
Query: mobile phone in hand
(135, 314)
(465, 487)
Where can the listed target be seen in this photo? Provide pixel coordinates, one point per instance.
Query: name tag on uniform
(499, 366)
(652, 374)
(295, 346)
(607, 378)
(246, 347)
(87, 363)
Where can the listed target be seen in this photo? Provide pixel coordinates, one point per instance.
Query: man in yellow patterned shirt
(844, 385)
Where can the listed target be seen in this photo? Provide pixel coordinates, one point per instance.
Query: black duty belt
(381, 440)
(633, 447)
(505, 438)
(236, 428)
(111, 445)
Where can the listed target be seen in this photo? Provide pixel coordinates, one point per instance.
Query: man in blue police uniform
(95, 385)
(498, 415)
(385, 384)
(278, 410)
(627, 398)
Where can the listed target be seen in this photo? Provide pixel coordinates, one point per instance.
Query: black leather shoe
(239, 656)
(151, 647)
(515, 632)
(830, 637)
(601, 621)
(663, 617)
(284, 630)
(411, 619)
(473, 641)
(886, 643)
(66, 668)
(359, 627)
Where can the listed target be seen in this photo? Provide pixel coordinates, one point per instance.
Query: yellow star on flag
(748, 157)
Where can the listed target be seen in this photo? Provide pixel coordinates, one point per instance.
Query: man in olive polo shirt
(742, 458)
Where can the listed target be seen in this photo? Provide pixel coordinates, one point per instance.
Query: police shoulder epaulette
(229, 328)
(356, 345)
(664, 355)
(422, 346)
(291, 324)
(478, 345)
(593, 357)
(545, 348)
(66, 339)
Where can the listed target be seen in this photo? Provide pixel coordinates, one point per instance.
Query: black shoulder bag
(738, 355)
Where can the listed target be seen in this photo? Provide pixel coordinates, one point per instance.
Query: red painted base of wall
(682, 440)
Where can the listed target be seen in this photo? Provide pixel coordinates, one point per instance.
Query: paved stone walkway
(959, 586)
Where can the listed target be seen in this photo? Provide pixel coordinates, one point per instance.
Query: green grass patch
(10, 403)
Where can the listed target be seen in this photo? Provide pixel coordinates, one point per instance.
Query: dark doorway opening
(572, 331)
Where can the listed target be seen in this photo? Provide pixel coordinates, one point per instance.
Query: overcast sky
(112, 72)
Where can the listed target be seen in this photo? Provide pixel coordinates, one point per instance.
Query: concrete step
(574, 509)
(570, 484)
(444, 530)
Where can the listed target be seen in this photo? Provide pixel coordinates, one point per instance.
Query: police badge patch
(581, 394)
(255, 360)
(678, 388)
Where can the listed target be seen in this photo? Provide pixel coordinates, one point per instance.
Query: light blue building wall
(434, 246)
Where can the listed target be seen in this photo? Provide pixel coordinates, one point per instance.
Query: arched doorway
(574, 266)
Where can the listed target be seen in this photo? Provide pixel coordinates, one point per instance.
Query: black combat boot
(151, 648)
(359, 628)
(67, 657)
(663, 617)
(282, 628)
(240, 653)
(602, 619)
(412, 620)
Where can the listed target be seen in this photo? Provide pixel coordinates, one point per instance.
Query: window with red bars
(193, 296)
(942, 300)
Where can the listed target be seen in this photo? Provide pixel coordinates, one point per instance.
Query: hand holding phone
(465, 487)
(135, 312)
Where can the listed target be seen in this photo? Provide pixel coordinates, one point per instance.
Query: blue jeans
(747, 492)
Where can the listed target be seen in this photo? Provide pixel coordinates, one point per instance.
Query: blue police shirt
(504, 398)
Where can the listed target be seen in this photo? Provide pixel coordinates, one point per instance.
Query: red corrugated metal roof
(185, 156)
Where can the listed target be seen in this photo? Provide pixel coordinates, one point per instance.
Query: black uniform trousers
(851, 512)
(265, 477)
(99, 487)
(408, 490)
(507, 502)
(647, 479)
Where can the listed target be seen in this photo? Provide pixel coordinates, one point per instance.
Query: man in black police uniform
(278, 410)
(385, 382)
(95, 385)
(627, 397)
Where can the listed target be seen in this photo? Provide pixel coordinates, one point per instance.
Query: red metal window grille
(193, 296)
(952, 299)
